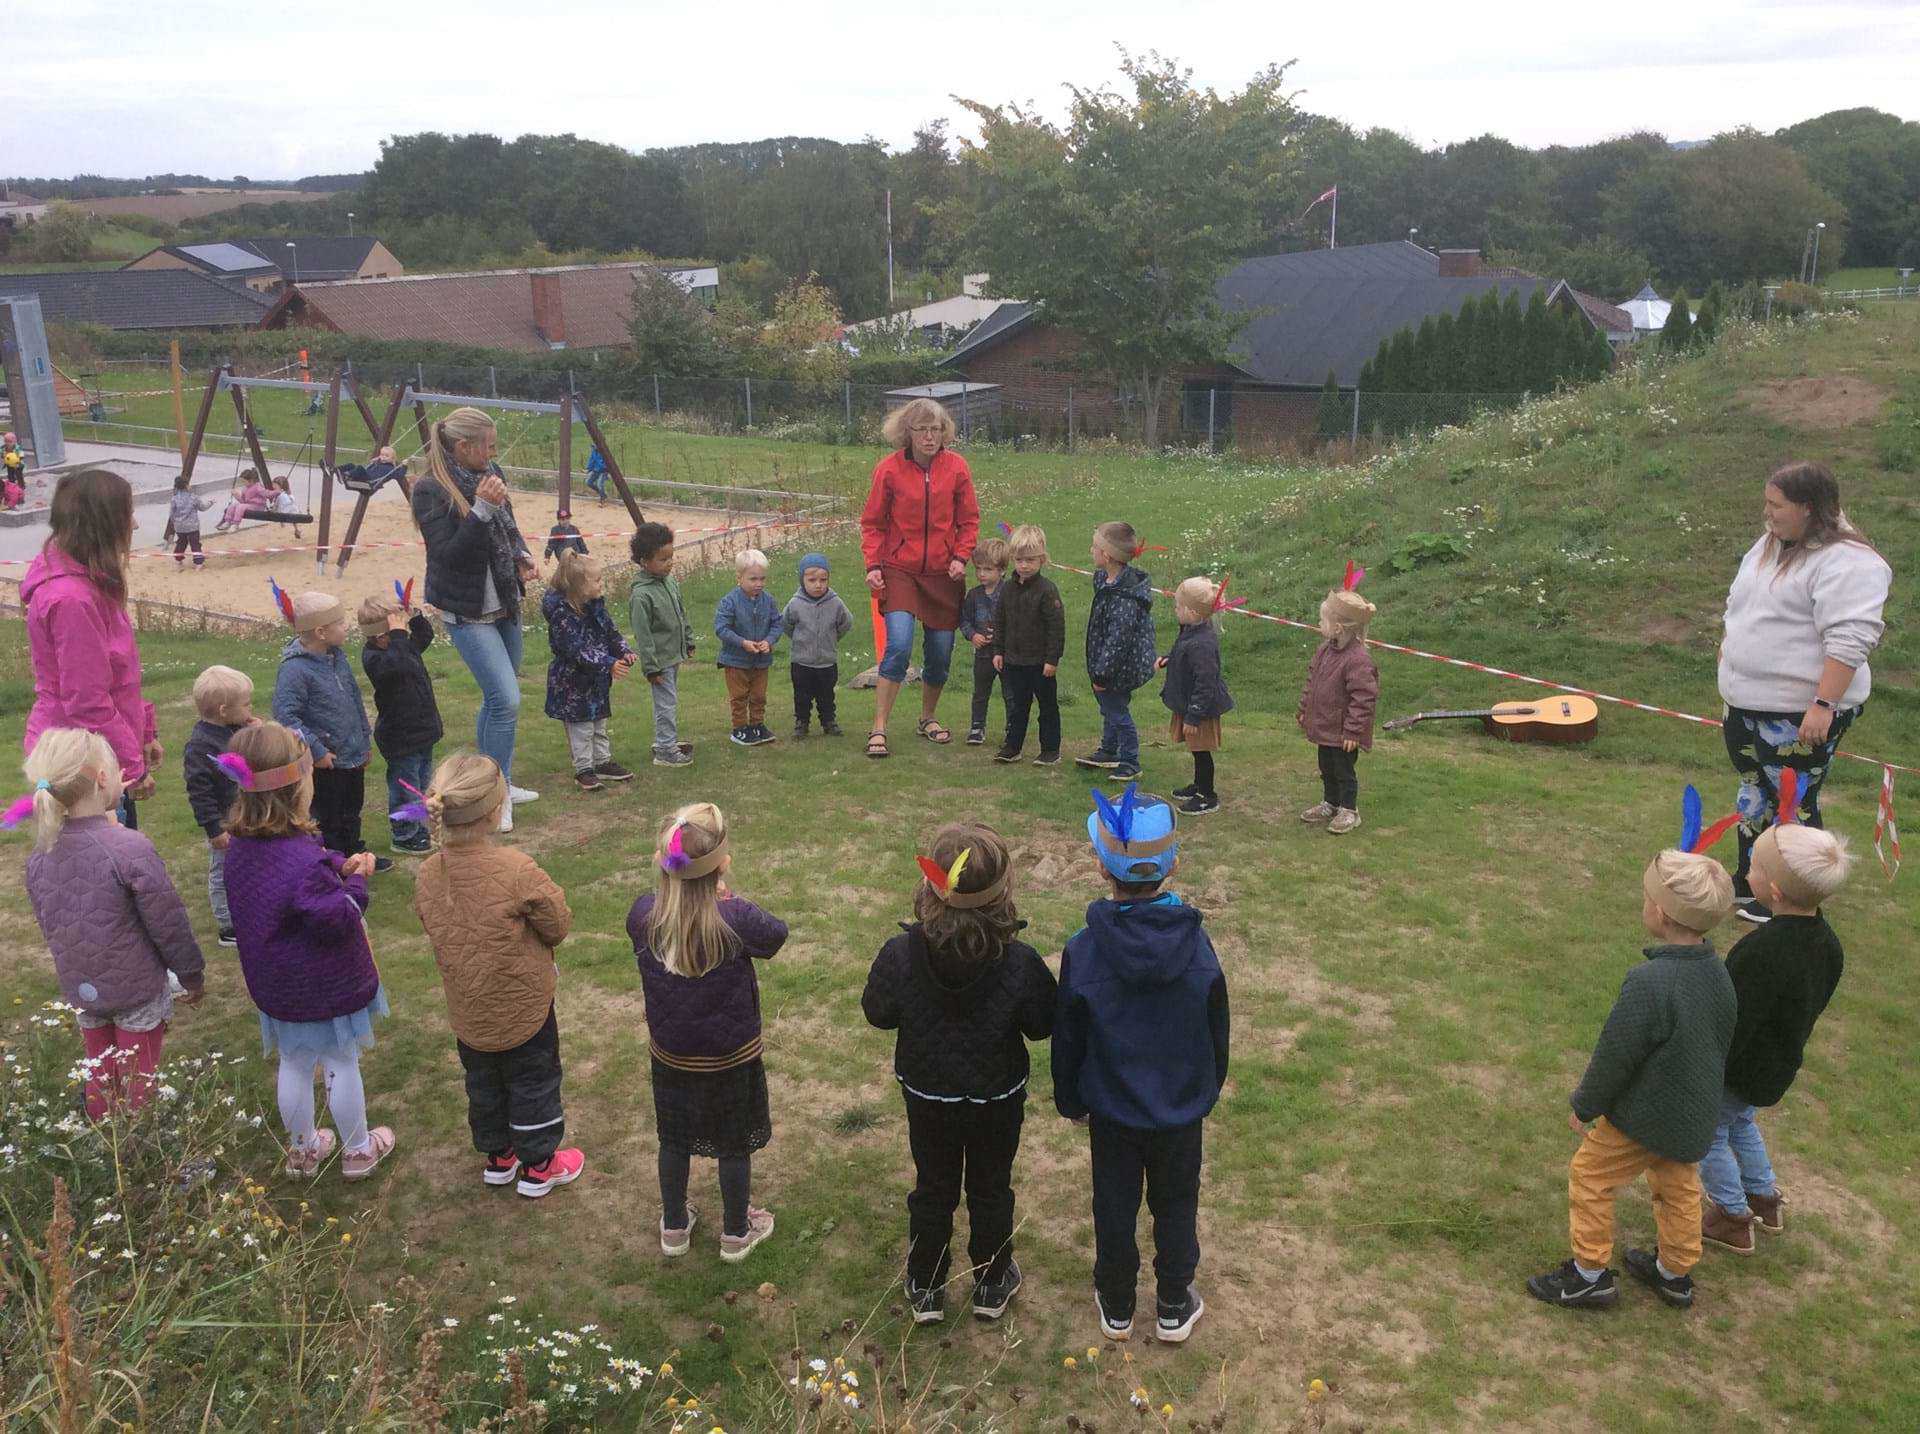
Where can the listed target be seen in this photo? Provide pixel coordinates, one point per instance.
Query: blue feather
(1129, 800)
(1109, 818)
(1689, 818)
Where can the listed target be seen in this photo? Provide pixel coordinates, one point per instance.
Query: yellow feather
(959, 865)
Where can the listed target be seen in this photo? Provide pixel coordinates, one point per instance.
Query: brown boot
(1732, 1232)
(1769, 1215)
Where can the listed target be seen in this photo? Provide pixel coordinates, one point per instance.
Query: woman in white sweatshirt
(1802, 617)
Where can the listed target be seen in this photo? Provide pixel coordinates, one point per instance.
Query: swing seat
(368, 479)
(274, 515)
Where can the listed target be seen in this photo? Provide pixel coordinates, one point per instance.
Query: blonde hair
(1117, 541)
(571, 576)
(463, 425)
(284, 810)
(218, 688)
(463, 780)
(1692, 890)
(70, 761)
(1344, 616)
(1816, 861)
(991, 553)
(898, 425)
(373, 614)
(686, 929)
(1194, 599)
(978, 934)
(747, 559)
(1029, 540)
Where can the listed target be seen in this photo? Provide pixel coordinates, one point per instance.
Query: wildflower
(508, 1299)
(818, 1366)
(1166, 1411)
(449, 1322)
(1138, 1398)
(346, 1238)
(1092, 1353)
(672, 1403)
(666, 1369)
(1070, 1362)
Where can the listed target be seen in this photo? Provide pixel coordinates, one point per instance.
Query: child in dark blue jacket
(588, 653)
(1140, 1055)
(407, 718)
(748, 624)
(1120, 652)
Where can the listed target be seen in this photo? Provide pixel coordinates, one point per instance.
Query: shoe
(741, 736)
(991, 1297)
(675, 758)
(1346, 819)
(799, 731)
(1047, 759)
(500, 1169)
(675, 1243)
(929, 1306)
(611, 771)
(382, 865)
(1768, 1214)
(307, 1165)
(418, 846)
(762, 734)
(227, 937)
(1644, 1266)
(831, 729)
(1730, 1232)
(735, 1248)
(1007, 754)
(379, 1147)
(1118, 1328)
(589, 780)
(1752, 908)
(1124, 772)
(1182, 793)
(1316, 815)
(1176, 1322)
(684, 748)
(1198, 805)
(1099, 757)
(521, 794)
(1565, 1285)
(506, 816)
(976, 736)
(563, 1167)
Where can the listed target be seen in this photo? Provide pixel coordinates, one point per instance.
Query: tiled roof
(990, 330)
(1604, 315)
(491, 309)
(141, 299)
(321, 256)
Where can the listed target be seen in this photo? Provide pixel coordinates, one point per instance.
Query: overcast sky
(275, 91)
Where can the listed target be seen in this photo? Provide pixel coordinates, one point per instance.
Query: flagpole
(1333, 229)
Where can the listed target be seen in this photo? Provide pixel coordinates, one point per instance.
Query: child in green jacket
(661, 635)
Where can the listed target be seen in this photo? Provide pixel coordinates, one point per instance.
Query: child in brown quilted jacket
(1336, 706)
(493, 918)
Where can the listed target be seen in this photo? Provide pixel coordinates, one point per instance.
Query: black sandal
(877, 745)
(934, 732)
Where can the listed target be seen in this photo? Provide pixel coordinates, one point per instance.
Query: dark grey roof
(322, 257)
(1395, 259)
(141, 298)
(994, 327)
(222, 258)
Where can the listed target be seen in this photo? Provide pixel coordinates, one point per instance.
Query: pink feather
(676, 858)
(235, 766)
(410, 787)
(1353, 576)
(17, 812)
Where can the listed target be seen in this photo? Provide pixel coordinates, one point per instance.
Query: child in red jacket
(1336, 707)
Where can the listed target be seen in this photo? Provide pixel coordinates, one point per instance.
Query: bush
(1418, 550)
(1795, 299)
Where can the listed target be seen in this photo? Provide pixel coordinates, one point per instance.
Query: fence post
(749, 384)
(419, 376)
(1354, 437)
(847, 396)
(656, 398)
(1069, 418)
(493, 382)
(966, 425)
(1210, 396)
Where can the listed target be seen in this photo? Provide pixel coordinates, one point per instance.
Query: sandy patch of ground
(1819, 404)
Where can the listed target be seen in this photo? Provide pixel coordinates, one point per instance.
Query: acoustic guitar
(1547, 719)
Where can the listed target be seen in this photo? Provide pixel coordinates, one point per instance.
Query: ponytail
(463, 425)
(65, 764)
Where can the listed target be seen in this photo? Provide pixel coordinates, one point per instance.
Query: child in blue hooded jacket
(1140, 1055)
(748, 624)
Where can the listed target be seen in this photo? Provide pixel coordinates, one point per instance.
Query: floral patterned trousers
(1761, 745)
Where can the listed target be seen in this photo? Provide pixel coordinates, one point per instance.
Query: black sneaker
(611, 771)
(1099, 757)
(1644, 1266)
(1118, 1328)
(799, 731)
(976, 736)
(418, 846)
(741, 737)
(1564, 1285)
(382, 865)
(1176, 1322)
(929, 1306)
(1182, 793)
(991, 1297)
(1007, 754)
(227, 937)
(1198, 805)
(831, 729)
(589, 780)
(762, 734)
(1047, 759)
(1752, 908)
(1124, 772)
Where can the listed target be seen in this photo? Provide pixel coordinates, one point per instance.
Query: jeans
(1340, 778)
(588, 744)
(597, 483)
(217, 887)
(513, 1096)
(417, 768)
(491, 651)
(1759, 744)
(1170, 1162)
(666, 706)
(813, 688)
(1736, 1164)
(1022, 685)
(955, 1144)
(936, 654)
(338, 795)
(984, 676)
(1118, 735)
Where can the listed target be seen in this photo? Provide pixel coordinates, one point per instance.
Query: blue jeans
(491, 651)
(415, 767)
(1118, 735)
(1736, 1164)
(936, 653)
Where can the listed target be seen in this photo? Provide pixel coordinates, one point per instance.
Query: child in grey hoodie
(183, 522)
(816, 619)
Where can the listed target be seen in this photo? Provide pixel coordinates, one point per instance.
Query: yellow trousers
(1608, 1160)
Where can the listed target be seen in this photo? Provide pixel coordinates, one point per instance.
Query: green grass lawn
(1412, 1004)
(1881, 278)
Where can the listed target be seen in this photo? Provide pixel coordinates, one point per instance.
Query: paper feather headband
(946, 883)
(1116, 819)
(271, 780)
(675, 862)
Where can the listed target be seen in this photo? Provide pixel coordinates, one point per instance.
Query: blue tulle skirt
(338, 1038)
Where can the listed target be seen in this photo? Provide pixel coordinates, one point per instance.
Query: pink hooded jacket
(86, 668)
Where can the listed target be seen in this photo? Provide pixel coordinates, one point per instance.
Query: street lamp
(1816, 251)
(349, 224)
(1412, 232)
(296, 260)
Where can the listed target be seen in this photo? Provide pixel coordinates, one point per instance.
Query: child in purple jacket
(111, 916)
(297, 913)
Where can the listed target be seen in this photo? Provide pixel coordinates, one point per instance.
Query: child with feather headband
(407, 722)
(317, 696)
(1337, 703)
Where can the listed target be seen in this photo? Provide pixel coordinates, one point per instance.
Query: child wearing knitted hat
(816, 619)
(1784, 974)
(1652, 1091)
(1336, 708)
(317, 696)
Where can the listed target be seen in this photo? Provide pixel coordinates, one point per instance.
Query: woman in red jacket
(917, 533)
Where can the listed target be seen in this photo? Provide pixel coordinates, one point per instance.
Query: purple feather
(411, 812)
(676, 858)
(17, 812)
(235, 766)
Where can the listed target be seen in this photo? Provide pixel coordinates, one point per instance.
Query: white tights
(346, 1099)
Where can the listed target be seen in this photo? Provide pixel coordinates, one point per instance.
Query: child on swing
(253, 496)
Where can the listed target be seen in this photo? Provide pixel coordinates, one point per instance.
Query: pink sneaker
(500, 1169)
(735, 1248)
(379, 1147)
(674, 1243)
(563, 1167)
(306, 1164)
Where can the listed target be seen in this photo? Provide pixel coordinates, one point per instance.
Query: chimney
(1459, 263)
(549, 310)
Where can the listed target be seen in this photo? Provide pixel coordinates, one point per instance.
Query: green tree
(1676, 335)
(62, 236)
(1539, 366)
(1599, 356)
(1870, 161)
(803, 336)
(671, 331)
(1510, 359)
(1423, 372)
(1334, 417)
(1121, 222)
(1707, 321)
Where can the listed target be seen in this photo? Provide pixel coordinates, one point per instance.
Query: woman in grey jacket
(1803, 615)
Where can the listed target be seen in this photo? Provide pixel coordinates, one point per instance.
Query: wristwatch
(1822, 702)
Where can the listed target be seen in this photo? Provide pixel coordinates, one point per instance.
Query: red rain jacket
(920, 520)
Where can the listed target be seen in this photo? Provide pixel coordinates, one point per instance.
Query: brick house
(266, 264)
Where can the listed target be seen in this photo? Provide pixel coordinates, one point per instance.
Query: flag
(1883, 826)
(1321, 200)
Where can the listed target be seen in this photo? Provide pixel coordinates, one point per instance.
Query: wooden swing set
(573, 408)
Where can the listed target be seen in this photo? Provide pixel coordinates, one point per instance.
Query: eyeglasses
(925, 428)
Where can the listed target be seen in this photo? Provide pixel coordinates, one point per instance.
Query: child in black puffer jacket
(965, 998)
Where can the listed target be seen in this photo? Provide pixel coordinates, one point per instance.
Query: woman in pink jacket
(86, 668)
